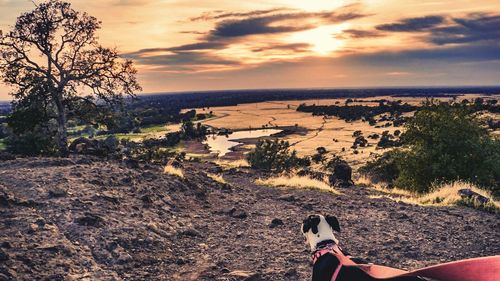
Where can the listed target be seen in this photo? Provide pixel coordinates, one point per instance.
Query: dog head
(317, 228)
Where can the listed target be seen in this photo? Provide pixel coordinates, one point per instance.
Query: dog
(318, 231)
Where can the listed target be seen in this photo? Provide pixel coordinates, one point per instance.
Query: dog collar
(330, 248)
(321, 250)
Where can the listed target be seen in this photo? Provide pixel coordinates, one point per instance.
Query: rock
(131, 163)
(342, 176)
(33, 228)
(468, 228)
(3, 256)
(6, 156)
(180, 261)
(239, 214)
(276, 222)
(307, 206)
(124, 258)
(288, 198)
(467, 193)
(191, 232)
(253, 277)
(291, 275)
(6, 245)
(90, 220)
(246, 275)
(54, 277)
(57, 192)
(84, 161)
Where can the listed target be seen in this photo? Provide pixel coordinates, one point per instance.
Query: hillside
(87, 219)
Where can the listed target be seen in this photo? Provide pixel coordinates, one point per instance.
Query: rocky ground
(84, 219)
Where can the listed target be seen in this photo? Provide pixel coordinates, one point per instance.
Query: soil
(87, 219)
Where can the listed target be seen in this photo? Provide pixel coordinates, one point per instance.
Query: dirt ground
(84, 219)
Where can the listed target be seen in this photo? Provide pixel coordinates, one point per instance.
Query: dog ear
(311, 223)
(333, 222)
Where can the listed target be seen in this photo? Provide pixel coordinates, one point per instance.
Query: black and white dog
(318, 231)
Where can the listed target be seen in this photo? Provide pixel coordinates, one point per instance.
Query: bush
(383, 168)
(445, 144)
(274, 155)
(40, 141)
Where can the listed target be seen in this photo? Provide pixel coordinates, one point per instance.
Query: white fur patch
(325, 232)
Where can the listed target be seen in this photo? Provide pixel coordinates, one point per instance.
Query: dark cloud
(279, 23)
(358, 33)
(216, 15)
(295, 47)
(181, 58)
(475, 28)
(258, 25)
(199, 46)
(455, 54)
(193, 32)
(412, 24)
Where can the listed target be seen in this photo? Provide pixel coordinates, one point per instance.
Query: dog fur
(318, 231)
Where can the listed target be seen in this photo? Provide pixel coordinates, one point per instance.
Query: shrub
(273, 155)
(445, 144)
(383, 168)
(40, 141)
(320, 155)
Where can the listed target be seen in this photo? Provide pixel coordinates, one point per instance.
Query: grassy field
(334, 134)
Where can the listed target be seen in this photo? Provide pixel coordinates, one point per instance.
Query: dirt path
(319, 130)
(104, 221)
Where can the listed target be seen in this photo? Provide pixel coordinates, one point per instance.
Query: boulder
(342, 176)
(6, 156)
(468, 194)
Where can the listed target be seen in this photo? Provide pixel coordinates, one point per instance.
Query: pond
(223, 144)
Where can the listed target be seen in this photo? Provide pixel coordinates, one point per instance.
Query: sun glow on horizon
(322, 39)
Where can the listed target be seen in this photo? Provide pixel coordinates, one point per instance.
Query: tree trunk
(62, 130)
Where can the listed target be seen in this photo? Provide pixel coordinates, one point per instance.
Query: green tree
(52, 55)
(273, 155)
(446, 143)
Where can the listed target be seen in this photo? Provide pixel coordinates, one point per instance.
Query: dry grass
(297, 182)
(447, 195)
(217, 178)
(171, 170)
(381, 187)
(443, 195)
(228, 164)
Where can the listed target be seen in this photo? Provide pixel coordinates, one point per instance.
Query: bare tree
(53, 51)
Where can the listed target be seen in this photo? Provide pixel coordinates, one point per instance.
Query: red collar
(332, 248)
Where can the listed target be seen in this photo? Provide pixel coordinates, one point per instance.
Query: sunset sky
(184, 45)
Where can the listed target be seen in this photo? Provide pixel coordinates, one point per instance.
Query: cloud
(216, 15)
(455, 54)
(358, 33)
(474, 28)
(279, 23)
(412, 24)
(295, 47)
(180, 58)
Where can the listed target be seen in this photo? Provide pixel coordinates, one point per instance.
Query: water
(223, 144)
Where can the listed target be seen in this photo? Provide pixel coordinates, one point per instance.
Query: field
(334, 134)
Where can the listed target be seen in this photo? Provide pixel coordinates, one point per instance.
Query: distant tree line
(357, 112)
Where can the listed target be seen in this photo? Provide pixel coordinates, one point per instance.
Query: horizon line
(307, 88)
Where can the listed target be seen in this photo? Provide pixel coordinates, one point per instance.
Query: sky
(198, 45)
